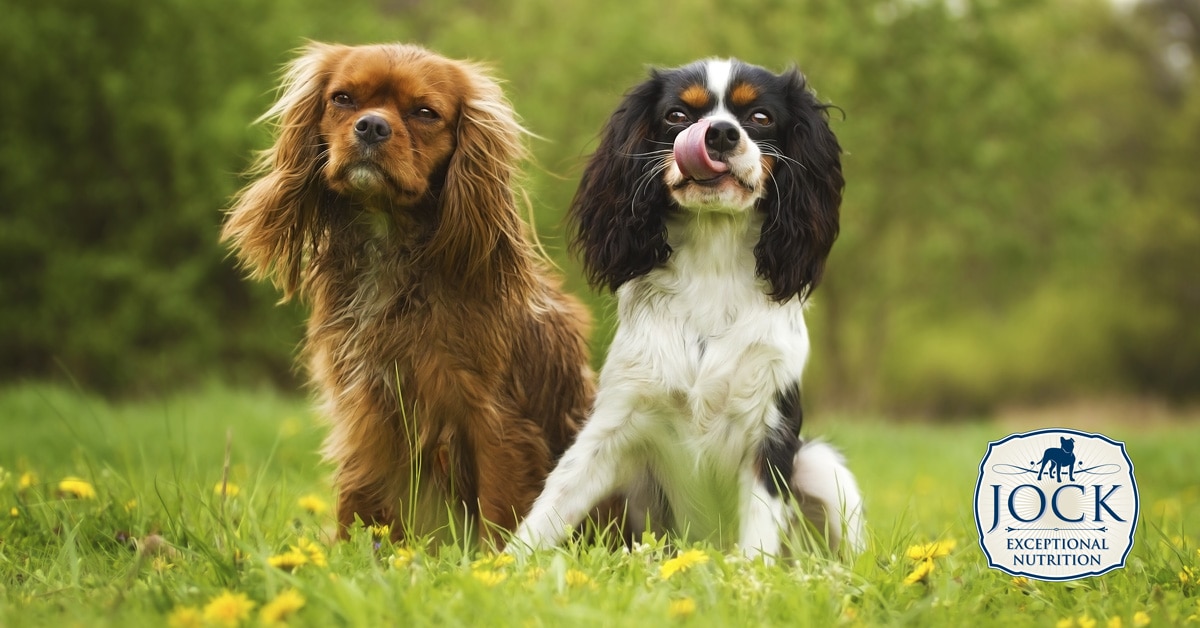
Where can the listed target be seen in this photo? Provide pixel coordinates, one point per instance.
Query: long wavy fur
(450, 365)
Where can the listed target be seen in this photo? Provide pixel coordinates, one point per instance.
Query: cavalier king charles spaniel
(709, 208)
(453, 370)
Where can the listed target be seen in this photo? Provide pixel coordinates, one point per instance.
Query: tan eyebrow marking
(743, 94)
(695, 96)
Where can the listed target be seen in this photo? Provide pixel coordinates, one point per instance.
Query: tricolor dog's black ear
(801, 208)
(619, 211)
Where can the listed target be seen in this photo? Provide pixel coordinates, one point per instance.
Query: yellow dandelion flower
(281, 608)
(227, 489)
(681, 563)
(576, 578)
(681, 608)
(185, 617)
(1140, 619)
(1114, 622)
(1085, 622)
(228, 609)
(926, 551)
(380, 530)
(403, 558)
(289, 560)
(924, 568)
(314, 552)
(28, 479)
(1020, 582)
(313, 505)
(1065, 622)
(14, 513)
(75, 487)
(489, 577)
(534, 574)
(492, 561)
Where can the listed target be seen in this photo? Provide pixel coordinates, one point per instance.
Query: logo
(1056, 504)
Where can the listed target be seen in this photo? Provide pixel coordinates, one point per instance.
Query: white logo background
(1056, 527)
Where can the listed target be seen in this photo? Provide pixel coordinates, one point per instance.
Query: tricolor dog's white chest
(703, 352)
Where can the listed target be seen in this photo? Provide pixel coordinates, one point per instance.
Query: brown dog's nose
(372, 129)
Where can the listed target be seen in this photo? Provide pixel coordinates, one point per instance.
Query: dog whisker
(647, 155)
(644, 181)
(773, 151)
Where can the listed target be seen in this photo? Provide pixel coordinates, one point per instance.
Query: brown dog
(453, 370)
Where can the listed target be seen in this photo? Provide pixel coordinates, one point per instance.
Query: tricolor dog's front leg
(764, 487)
(762, 515)
(595, 466)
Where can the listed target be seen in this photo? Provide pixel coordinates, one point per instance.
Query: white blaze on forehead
(719, 73)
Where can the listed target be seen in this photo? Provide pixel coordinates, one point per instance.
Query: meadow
(213, 509)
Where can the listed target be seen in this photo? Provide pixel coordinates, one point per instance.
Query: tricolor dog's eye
(761, 118)
(342, 99)
(677, 116)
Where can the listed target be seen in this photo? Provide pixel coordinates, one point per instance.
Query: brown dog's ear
(274, 223)
(478, 222)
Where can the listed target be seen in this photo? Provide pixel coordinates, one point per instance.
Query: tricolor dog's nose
(372, 129)
(722, 136)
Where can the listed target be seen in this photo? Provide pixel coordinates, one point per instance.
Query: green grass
(154, 466)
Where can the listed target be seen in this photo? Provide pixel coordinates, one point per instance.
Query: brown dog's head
(383, 128)
(388, 120)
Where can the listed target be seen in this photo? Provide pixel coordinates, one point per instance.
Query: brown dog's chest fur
(436, 371)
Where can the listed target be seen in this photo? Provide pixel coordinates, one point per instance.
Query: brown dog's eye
(342, 99)
(425, 113)
(677, 116)
(761, 118)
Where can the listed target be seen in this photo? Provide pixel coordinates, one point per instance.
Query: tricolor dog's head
(713, 136)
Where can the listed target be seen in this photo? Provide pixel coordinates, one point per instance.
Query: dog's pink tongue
(691, 154)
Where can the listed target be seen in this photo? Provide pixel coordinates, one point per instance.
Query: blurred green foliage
(1021, 222)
